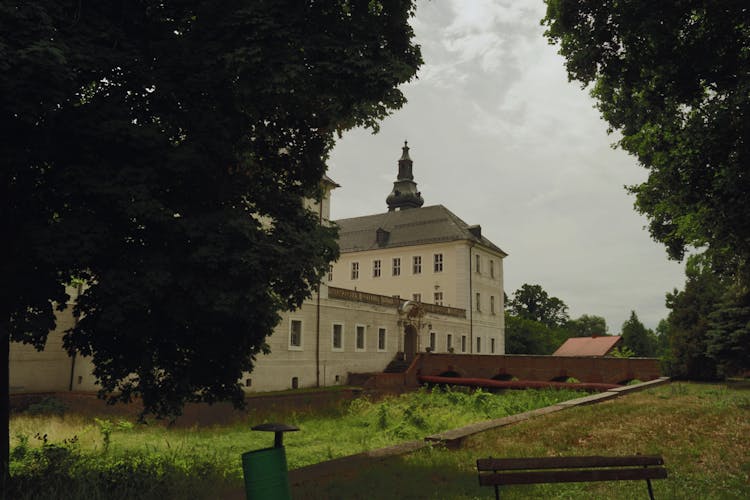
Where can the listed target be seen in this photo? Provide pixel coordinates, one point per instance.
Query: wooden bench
(504, 471)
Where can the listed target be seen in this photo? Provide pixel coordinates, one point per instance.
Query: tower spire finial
(405, 152)
(404, 194)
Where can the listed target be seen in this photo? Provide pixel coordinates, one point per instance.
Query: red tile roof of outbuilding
(588, 346)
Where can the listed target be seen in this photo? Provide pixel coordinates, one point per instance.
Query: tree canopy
(707, 328)
(638, 338)
(674, 79)
(533, 303)
(588, 325)
(161, 151)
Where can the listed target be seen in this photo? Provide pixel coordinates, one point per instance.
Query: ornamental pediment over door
(412, 313)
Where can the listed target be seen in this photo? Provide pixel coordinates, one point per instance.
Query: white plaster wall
(468, 282)
(47, 370)
(407, 284)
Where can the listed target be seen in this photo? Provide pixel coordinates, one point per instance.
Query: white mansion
(408, 280)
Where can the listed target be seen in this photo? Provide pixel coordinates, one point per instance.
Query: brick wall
(544, 368)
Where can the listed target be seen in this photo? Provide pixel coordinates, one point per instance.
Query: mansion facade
(412, 279)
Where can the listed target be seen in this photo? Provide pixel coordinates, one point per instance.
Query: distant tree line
(705, 336)
(537, 323)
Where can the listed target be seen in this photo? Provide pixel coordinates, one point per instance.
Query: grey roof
(416, 226)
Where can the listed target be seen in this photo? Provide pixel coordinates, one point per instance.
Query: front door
(410, 342)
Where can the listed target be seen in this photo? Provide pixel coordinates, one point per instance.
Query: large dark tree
(533, 303)
(673, 78)
(688, 323)
(161, 151)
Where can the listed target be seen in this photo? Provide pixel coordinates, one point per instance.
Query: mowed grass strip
(701, 430)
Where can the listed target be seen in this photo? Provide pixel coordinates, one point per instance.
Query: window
(492, 304)
(416, 265)
(492, 268)
(295, 382)
(337, 337)
(330, 272)
(448, 342)
(295, 334)
(376, 268)
(478, 263)
(381, 339)
(416, 297)
(248, 382)
(492, 345)
(479, 302)
(355, 270)
(479, 345)
(433, 336)
(360, 338)
(439, 298)
(463, 343)
(396, 266)
(438, 267)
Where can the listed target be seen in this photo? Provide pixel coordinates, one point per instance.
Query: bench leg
(650, 489)
(497, 492)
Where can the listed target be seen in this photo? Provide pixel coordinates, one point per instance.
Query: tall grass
(74, 456)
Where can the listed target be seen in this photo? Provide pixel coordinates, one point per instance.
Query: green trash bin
(265, 470)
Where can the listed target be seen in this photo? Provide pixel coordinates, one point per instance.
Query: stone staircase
(398, 365)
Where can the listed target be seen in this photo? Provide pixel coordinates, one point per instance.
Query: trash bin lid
(275, 427)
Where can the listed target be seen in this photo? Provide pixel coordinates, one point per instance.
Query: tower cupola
(404, 194)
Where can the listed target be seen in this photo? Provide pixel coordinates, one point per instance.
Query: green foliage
(47, 406)
(525, 336)
(636, 337)
(688, 323)
(588, 326)
(161, 152)
(64, 471)
(728, 338)
(672, 78)
(531, 302)
(622, 352)
(169, 462)
(107, 427)
(536, 323)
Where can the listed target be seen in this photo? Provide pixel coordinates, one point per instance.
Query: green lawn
(703, 432)
(90, 458)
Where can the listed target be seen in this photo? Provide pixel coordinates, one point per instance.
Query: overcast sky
(501, 138)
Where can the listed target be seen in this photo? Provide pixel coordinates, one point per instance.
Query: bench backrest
(500, 464)
(499, 471)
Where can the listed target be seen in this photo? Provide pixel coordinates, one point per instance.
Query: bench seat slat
(571, 476)
(492, 464)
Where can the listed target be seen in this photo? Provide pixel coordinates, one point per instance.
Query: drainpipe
(317, 339)
(317, 310)
(471, 304)
(73, 357)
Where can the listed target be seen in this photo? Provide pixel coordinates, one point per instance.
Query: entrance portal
(410, 342)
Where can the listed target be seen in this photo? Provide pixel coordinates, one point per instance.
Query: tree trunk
(4, 407)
